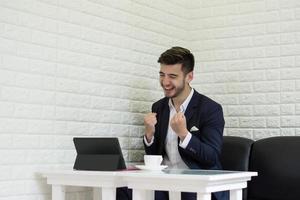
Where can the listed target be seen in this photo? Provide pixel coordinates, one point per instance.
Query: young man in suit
(185, 127)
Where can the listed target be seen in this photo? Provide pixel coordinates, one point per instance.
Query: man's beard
(178, 91)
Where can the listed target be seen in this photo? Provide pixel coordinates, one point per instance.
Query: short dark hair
(178, 55)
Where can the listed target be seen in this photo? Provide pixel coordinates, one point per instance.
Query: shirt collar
(186, 102)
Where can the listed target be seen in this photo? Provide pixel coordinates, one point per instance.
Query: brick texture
(247, 56)
(88, 68)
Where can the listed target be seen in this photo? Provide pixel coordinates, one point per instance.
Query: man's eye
(173, 76)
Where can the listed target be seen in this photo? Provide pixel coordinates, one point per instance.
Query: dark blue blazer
(204, 148)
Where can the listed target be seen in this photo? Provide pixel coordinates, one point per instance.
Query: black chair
(277, 161)
(235, 155)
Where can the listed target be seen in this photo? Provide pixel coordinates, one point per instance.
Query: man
(185, 126)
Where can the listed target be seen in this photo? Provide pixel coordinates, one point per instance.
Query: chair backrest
(277, 161)
(236, 153)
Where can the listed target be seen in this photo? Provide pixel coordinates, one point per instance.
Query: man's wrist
(182, 136)
(183, 143)
(148, 142)
(148, 138)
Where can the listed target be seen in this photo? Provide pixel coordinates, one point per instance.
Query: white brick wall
(88, 68)
(247, 54)
(76, 68)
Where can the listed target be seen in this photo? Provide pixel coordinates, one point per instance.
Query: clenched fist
(149, 122)
(178, 124)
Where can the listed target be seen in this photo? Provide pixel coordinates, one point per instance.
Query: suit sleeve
(205, 148)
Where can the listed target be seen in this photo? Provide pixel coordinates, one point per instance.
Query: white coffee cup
(152, 160)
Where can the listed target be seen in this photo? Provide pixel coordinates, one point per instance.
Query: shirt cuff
(183, 144)
(148, 143)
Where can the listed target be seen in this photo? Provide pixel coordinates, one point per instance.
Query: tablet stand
(103, 162)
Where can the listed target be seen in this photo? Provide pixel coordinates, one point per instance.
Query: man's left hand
(178, 124)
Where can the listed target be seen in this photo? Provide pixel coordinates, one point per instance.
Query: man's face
(173, 80)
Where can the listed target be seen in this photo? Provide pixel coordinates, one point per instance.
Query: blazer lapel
(164, 125)
(192, 106)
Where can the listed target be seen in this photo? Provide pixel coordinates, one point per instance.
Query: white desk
(143, 183)
(104, 183)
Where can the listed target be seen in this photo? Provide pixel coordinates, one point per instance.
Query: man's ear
(189, 77)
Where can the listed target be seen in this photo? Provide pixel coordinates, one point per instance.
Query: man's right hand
(149, 122)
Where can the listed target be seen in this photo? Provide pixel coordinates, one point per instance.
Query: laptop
(98, 154)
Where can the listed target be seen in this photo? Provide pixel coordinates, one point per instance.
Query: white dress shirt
(173, 158)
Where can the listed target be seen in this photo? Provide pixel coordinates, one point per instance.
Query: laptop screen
(98, 153)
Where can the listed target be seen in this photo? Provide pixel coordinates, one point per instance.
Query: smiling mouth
(168, 90)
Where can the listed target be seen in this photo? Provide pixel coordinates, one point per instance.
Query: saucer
(144, 167)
